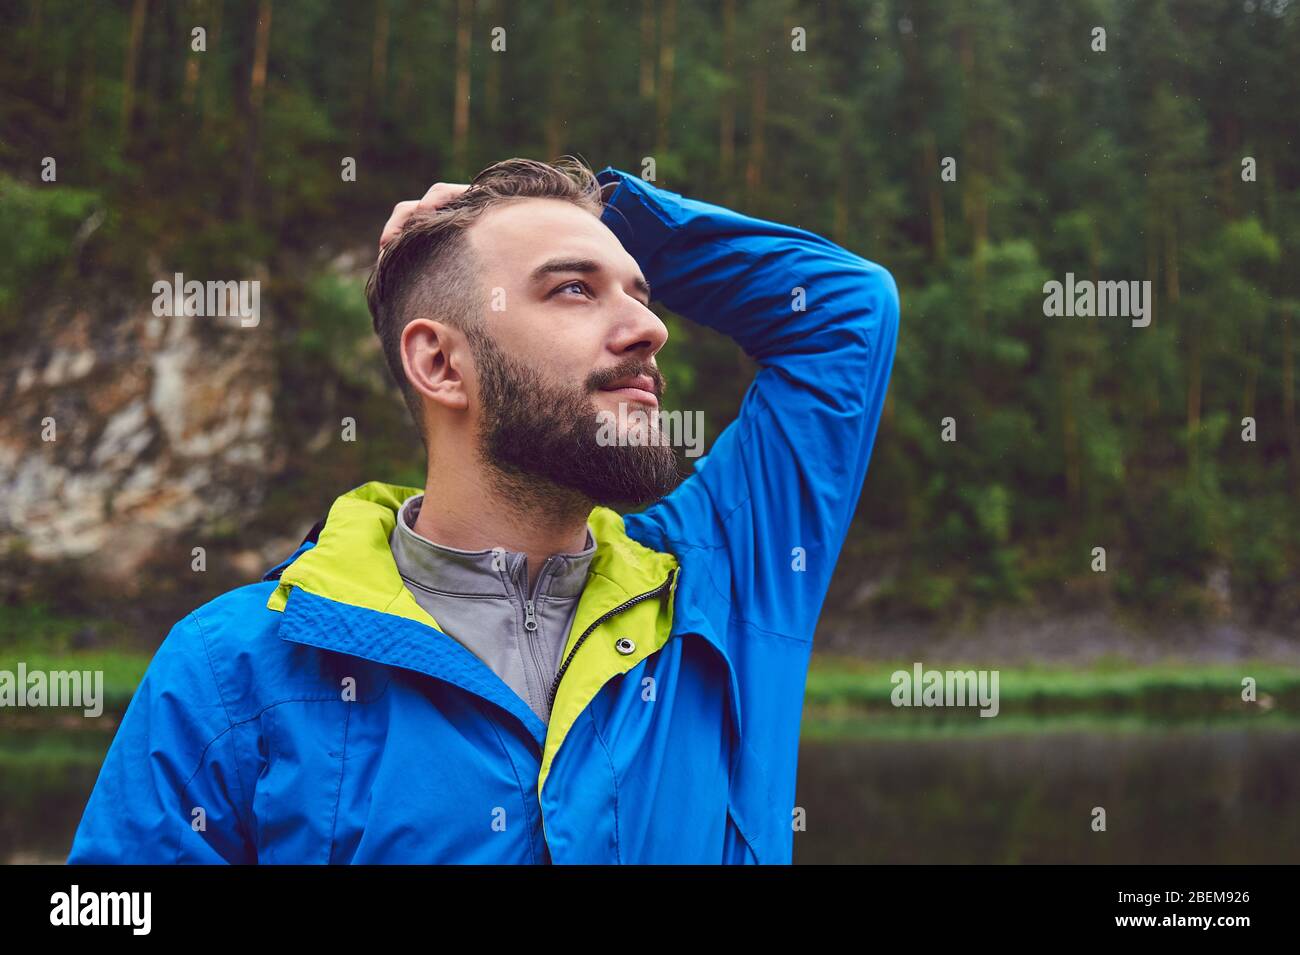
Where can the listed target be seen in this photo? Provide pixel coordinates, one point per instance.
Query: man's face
(567, 359)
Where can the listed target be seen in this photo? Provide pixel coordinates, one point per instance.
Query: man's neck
(468, 509)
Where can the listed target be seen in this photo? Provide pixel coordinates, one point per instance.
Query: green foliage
(38, 235)
(1117, 166)
(337, 331)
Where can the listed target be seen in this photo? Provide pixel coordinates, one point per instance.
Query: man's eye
(580, 286)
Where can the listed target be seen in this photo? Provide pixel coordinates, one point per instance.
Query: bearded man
(500, 667)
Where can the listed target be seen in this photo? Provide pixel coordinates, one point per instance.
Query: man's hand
(439, 194)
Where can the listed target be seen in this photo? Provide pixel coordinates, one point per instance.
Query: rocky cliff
(123, 429)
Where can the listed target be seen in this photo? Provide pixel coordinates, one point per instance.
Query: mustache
(630, 368)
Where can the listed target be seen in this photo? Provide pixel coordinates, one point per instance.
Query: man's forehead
(526, 232)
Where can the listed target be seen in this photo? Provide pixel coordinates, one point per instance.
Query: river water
(1171, 794)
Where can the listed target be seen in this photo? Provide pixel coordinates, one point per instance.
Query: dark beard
(541, 439)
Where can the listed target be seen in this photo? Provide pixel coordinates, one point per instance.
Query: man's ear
(431, 357)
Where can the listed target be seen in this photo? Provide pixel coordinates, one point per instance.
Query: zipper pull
(530, 616)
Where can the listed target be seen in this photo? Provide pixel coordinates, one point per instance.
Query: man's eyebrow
(584, 267)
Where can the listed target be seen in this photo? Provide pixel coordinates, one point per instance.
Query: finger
(435, 197)
(393, 227)
(441, 193)
(432, 194)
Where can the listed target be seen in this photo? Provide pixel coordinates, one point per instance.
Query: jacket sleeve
(772, 501)
(173, 755)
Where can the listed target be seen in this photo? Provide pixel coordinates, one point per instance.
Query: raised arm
(779, 487)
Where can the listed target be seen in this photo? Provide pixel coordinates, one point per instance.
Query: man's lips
(637, 388)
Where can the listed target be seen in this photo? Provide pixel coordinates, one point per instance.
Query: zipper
(530, 616)
(630, 602)
(534, 651)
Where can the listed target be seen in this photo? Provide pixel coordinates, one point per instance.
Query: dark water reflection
(1171, 796)
(1203, 795)
(45, 779)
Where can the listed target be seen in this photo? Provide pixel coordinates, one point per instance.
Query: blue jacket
(320, 715)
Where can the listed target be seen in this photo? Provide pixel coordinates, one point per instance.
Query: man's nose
(640, 329)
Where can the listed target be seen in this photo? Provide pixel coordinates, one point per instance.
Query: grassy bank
(1186, 689)
(122, 670)
(841, 688)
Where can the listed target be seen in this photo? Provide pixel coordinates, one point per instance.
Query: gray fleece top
(481, 599)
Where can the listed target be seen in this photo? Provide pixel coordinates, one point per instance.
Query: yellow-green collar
(352, 564)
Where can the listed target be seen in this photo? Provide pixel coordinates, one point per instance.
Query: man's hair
(428, 271)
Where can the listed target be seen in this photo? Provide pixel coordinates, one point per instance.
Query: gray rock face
(123, 429)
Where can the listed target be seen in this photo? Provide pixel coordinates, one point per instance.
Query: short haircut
(428, 271)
